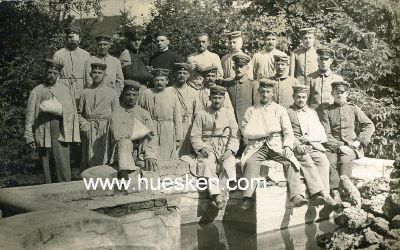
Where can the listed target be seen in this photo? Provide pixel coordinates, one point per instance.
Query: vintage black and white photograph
(199, 124)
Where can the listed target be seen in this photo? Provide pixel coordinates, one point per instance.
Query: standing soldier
(303, 61)
(114, 76)
(187, 97)
(341, 120)
(263, 62)
(130, 151)
(210, 75)
(242, 91)
(96, 106)
(320, 81)
(201, 59)
(283, 82)
(267, 128)
(235, 41)
(165, 111)
(163, 58)
(309, 136)
(74, 59)
(214, 138)
(133, 66)
(51, 124)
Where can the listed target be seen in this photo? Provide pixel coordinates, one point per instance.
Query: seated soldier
(309, 134)
(344, 144)
(131, 117)
(266, 126)
(214, 138)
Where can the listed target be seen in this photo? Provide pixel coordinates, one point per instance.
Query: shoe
(336, 196)
(318, 201)
(247, 204)
(299, 201)
(219, 202)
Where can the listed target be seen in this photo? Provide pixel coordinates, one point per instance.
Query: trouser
(124, 152)
(315, 170)
(217, 174)
(252, 170)
(340, 164)
(56, 159)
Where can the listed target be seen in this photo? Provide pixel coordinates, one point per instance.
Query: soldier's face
(300, 99)
(324, 63)
(52, 76)
(103, 47)
(73, 40)
(160, 82)
(181, 76)
(130, 97)
(236, 44)
(136, 44)
(202, 43)
(162, 43)
(210, 79)
(340, 95)
(280, 68)
(308, 40)
(217, 101)
(266, 94)
(270, 42)
(241, 70)
(97, 75)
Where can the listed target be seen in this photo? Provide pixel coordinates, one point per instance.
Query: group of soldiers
(130, 114)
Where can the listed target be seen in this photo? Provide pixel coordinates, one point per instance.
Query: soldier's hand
(302, 149)
(178, 143)
(32, 145)
(204, 152)
(304, 139)
(149, 136)
(287, 152)
(150, 164)
(85, 129)
(346, 150)
(356, 144)
(228, 153)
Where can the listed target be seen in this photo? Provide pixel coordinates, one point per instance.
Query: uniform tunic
(320, 87)
(204, 59)
(164, 59)
(303, 61)
(72, 74)
(283, 89)
(188, 103)
(122, 125)
(133, 68)
(96, 106)
(166, 114)
(209, 132)
(228, 66)
(305, 122)
(243, 93)
(264, 63)
(114, 78)
(340, 122)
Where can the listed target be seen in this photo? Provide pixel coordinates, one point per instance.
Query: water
(225, 235)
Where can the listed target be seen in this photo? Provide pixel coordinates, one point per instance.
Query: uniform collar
(326, 74)
(282, 77)
(340, 105)
(297, 108)
(243, 79)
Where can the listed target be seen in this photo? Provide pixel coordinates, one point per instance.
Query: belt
(161, 119)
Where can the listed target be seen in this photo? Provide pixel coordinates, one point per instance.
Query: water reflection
(218, 236)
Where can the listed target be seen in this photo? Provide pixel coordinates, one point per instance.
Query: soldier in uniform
(344, 145)
(49, 130)
(269, 132)
(114, 76)
(303, 61)
(214, 138)
(235, 43)
(320, 80)
(242, 91)
(130, 153)
(283, 82)
(163, 58)
(263, 62)
(309, 136)
(74, 59)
